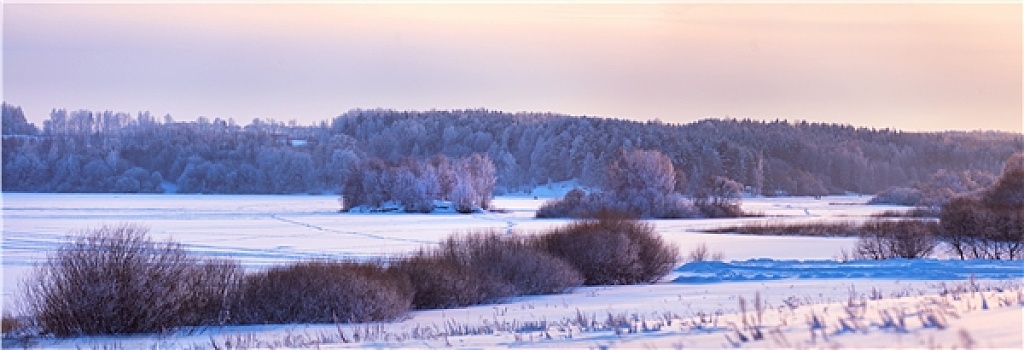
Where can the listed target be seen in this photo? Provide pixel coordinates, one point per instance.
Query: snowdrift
(899, 269)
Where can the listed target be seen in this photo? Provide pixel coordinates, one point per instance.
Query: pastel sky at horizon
(914, 67)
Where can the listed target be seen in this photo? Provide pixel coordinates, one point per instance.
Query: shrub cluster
(612, 250)
(581, 205)
(916, 212)
(484, 267)
(719, 198)
(115, 280)
(989, 225)
(575, 204)
(719, 210)
(908, 239)
(973, 230)
(441, 282)
(814, 229)
(322, 292)
(878, 239)
(703, 253)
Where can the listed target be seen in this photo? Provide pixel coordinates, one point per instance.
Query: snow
(553, 190)
(261, 231)
(693, 315)
(897, 269)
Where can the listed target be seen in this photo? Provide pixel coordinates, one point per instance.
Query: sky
(914, 67)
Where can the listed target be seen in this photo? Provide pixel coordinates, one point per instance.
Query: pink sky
(910, 67)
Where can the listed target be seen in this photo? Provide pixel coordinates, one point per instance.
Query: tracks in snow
(351, 233)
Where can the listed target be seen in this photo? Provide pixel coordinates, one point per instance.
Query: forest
(116, 152)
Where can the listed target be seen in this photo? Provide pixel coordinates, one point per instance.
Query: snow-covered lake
(265, 230)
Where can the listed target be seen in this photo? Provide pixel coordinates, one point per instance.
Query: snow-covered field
(691, 308)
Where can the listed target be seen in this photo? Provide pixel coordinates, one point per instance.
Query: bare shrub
(815, 229)
(526, 268)
(714, 211)
(703, 253)
(484, 267)
(214, 285)
(440, 281)
(612, 250)
(115, 280)
(917, 212)
(322, 292)
(908, 239)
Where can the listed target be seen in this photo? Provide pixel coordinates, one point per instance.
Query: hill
(86, 151)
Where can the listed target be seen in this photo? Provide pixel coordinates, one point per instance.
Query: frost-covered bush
(322, 292)
(612, 250)
(115, 280)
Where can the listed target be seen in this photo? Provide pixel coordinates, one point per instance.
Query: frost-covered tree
(463, 196)
(638, 182)
(720, 197)
(24, 172)
(641, 173)
(938, 189)
(527, 149)
(415, 184)
(341, 165)
(14, 122)
(643, 182)
(479, 172)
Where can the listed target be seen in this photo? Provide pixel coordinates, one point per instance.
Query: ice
(264, 230)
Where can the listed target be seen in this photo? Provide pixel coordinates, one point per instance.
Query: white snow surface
(690, 308)
(894, 269)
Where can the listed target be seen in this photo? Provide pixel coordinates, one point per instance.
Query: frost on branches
(463, 185)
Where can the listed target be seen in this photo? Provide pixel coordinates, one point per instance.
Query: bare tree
(908, 239)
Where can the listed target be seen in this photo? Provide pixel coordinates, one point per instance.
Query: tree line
(89, 151)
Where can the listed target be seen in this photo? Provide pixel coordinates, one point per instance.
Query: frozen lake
(265, 230)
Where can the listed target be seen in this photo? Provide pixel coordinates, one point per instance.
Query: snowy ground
(263, 230)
